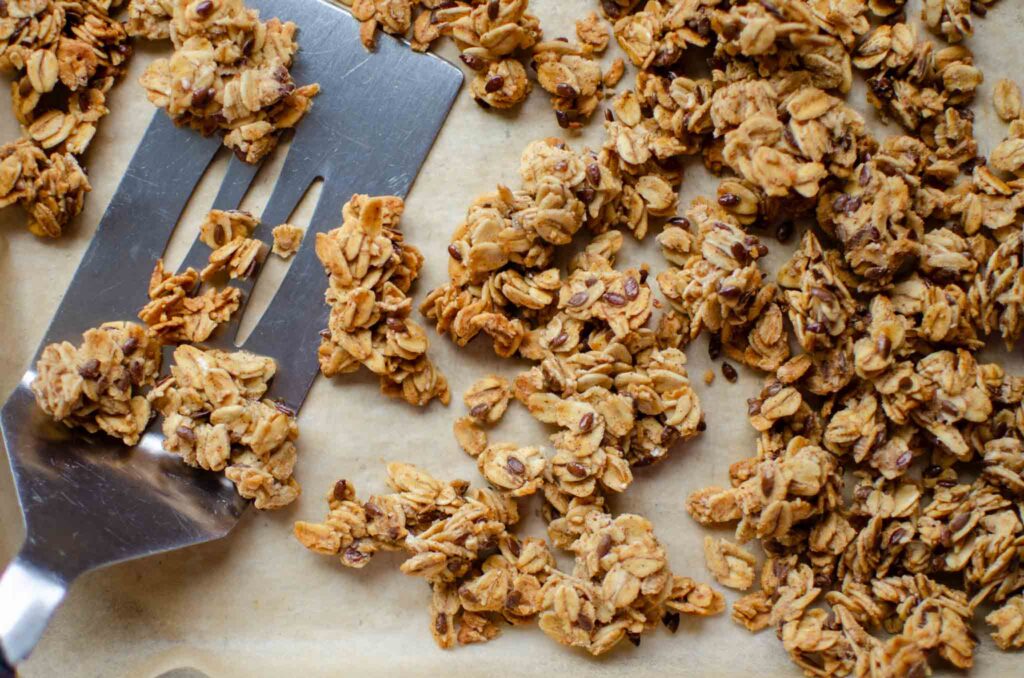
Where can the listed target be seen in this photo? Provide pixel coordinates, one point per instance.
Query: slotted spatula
(88, 501)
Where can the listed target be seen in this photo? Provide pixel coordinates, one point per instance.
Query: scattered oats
(593, 32)
(729, 564)
(287, 239)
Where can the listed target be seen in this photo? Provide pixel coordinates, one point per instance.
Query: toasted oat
(215, 418)
(371, 269)
(593, 32)
(97, 386)
(487, 399)
(1006, 99)
(730, 564)
(287, 239)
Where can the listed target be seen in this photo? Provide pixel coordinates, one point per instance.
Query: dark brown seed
(481, 103)
(608, 115)
(341, 490)
(784, 231)
(578, 299)
(946, 483)
(441, 623)
(714, 346)
(559, 340)
(325, 333)
(614, 298)
(681, 222)
(896, 536)
(773, 388)
(454, 252)
(513, 599)
(480, 410)
(493, 9)
(633, 638)
(753, 406)
(822, 294)
(643, 275)
(90, 369)
(933, 471)
(202, 96)
(564, 89)
(130, 345)
(594, 174)
(474, 62)
(883, 345)
(587, 422)
(396, 325)
(740, 253)
(728, 200)
(767, 481)
(584, 622)
(586, 194)
(903, 461)
(514, 546)
(494, 83)
(372, 510)
(563, 119)
(515, 467)
(186, 433)
(730, 292)
(135, 372)
(958, 521)
(671, 621)
(204, 8)
(354, 555)
(604, 546)
(729, 372)
(577, 469)
(631, 288)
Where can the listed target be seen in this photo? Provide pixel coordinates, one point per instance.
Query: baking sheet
(258, 604)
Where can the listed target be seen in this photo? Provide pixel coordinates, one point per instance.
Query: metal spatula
(87, 500)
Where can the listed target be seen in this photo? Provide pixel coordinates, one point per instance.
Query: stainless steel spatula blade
(87, 500)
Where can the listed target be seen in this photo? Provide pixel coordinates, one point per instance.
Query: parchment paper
(257, 603)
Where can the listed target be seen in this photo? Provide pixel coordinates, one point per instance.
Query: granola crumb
(287, 239)
(709, 377)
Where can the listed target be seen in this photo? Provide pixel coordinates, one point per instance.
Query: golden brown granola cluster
(481, 574)
(215, 418)
(495, 37)
(868, 332)
(65, 57)
(370, 269)
(229, 71)
(97, 386)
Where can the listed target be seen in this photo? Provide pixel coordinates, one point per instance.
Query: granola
(287, 240)
(229, 71)
(216, 418)
(65, 57)
(370, 269)
(98, 385)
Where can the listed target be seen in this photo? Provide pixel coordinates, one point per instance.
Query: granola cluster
(215, 418)
(481, 574)
(370, 269)
(65, 56)
(97, 386)
(229, 71)
(495, 38)
(886, 481)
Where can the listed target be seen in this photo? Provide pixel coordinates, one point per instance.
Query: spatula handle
(29, 595)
